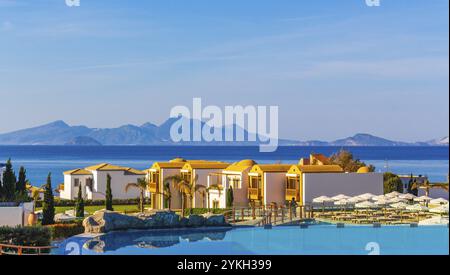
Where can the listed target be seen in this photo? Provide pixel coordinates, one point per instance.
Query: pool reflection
(151, 239)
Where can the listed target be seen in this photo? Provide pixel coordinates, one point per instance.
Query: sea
(432, 161)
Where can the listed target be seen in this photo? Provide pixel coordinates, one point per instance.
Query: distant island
(60, 133)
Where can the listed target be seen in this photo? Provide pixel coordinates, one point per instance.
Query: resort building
(156, 177)
(198, 173)
(267, 183)
(315, 159)
(235, 177)
(93, 182)
(306, 182)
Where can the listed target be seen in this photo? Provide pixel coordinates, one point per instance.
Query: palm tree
(142, 185)
(213, 187)
(166, 193)
(203, 192)
(182, 186)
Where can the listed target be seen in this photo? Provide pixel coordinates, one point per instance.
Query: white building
(306, 182)
(93, 182)
(234, 176)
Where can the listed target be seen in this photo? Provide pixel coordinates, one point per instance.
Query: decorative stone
(196, 221)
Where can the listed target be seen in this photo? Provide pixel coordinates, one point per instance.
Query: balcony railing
(254, 193)
(292, 193)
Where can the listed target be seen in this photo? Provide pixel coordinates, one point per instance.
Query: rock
(106, 221)
(60, 217)
(184, 222)
(166, 219)
(215, 220)
(196, 221)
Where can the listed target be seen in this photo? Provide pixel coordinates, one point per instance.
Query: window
(76, 182)
(235, 182)
(186, 176)
(154, 177)
(291, 183)
(255, 182)
(90, 183)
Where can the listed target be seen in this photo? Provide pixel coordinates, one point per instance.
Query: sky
(334, 68)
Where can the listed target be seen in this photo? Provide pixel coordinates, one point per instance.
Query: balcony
(292, 193)
(152, 187)
(254, 193)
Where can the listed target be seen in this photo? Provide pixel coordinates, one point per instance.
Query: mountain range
(60, 133)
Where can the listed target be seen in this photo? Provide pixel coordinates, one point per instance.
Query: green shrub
(72, 203)
(65, 230)
(25, 236)
(201, 211)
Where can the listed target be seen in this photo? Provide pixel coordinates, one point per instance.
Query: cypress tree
(109, 197)
(9, 182)
(48, 205)
(79, 207)
(21, 184)
(230, 197)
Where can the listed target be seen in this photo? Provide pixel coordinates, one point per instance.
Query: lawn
(92, 209)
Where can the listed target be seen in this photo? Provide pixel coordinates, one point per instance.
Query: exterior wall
(214, 194)
(70, 191)
(202, 179)
(11, 216)
(435, 193)
(241, 194)
(274, 188)
(118, 183)
(332, 184)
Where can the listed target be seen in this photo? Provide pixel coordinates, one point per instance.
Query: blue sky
(334, 68)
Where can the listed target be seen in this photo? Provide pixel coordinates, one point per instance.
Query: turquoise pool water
(292, 240)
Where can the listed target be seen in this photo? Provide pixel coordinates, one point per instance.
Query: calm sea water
(40, 160)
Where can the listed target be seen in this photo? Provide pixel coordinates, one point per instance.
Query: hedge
(201, 211)
(72, 203)
(25, 236)
(65, 230)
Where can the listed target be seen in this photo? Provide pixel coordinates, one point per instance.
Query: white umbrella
(367, 196)
(417, 208)
(355, 200)
(439, 201)
(366, 204)
(340, 197)
(380, 197)
(393, 194)
(423, 199)
(407, 196)
(399, 205)
(396, 200)
(382, 202)
(322, 200)
(443, 209)
(341, 202)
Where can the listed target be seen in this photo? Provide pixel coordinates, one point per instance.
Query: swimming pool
(289, 240)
